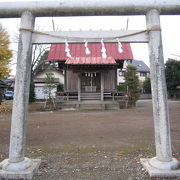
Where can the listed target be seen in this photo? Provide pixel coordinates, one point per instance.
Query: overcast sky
(170, 30)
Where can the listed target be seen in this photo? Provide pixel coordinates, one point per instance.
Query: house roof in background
(43, 80)
(90, 61)
(141, 66)
(57, 51)
(44, 71)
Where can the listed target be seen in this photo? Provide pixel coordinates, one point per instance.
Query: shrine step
(90, 96)
(91, 105)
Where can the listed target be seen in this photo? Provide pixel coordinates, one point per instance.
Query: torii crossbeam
(163, 164)
(88, 8)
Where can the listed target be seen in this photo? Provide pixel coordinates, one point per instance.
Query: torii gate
(163, 164)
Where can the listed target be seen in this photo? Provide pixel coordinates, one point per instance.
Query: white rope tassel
(87, 49)
(119, 46)
(103, 50)
(67, 50)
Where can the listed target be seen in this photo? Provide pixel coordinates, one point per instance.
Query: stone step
(90, 96)
(92, 106)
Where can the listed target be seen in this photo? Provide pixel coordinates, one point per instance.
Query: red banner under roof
(90, 60)
(57, 51)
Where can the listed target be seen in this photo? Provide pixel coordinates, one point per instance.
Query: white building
(143, 71)
(40, 85)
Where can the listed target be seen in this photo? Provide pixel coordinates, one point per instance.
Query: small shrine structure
(90, 69)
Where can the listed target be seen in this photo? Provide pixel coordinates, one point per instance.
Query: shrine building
(90, 70)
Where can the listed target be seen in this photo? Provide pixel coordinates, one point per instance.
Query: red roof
(90, 60)
(57, 51)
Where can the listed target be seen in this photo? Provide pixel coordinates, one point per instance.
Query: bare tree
(37, 53)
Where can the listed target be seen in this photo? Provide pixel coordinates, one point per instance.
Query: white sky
(170, 30)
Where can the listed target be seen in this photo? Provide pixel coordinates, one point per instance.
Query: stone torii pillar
(163, 165)
(18, 166)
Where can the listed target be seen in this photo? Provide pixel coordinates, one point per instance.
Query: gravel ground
(93, 166)
(92, 145)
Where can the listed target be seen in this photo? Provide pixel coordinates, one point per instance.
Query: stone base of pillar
(18, 172)
(156, 168)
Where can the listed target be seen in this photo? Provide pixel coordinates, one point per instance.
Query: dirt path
(92, 144)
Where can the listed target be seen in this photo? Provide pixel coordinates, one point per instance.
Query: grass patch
(5, 108)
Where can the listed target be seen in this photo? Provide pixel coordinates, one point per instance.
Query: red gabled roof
(90, 60)
(57, 51)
